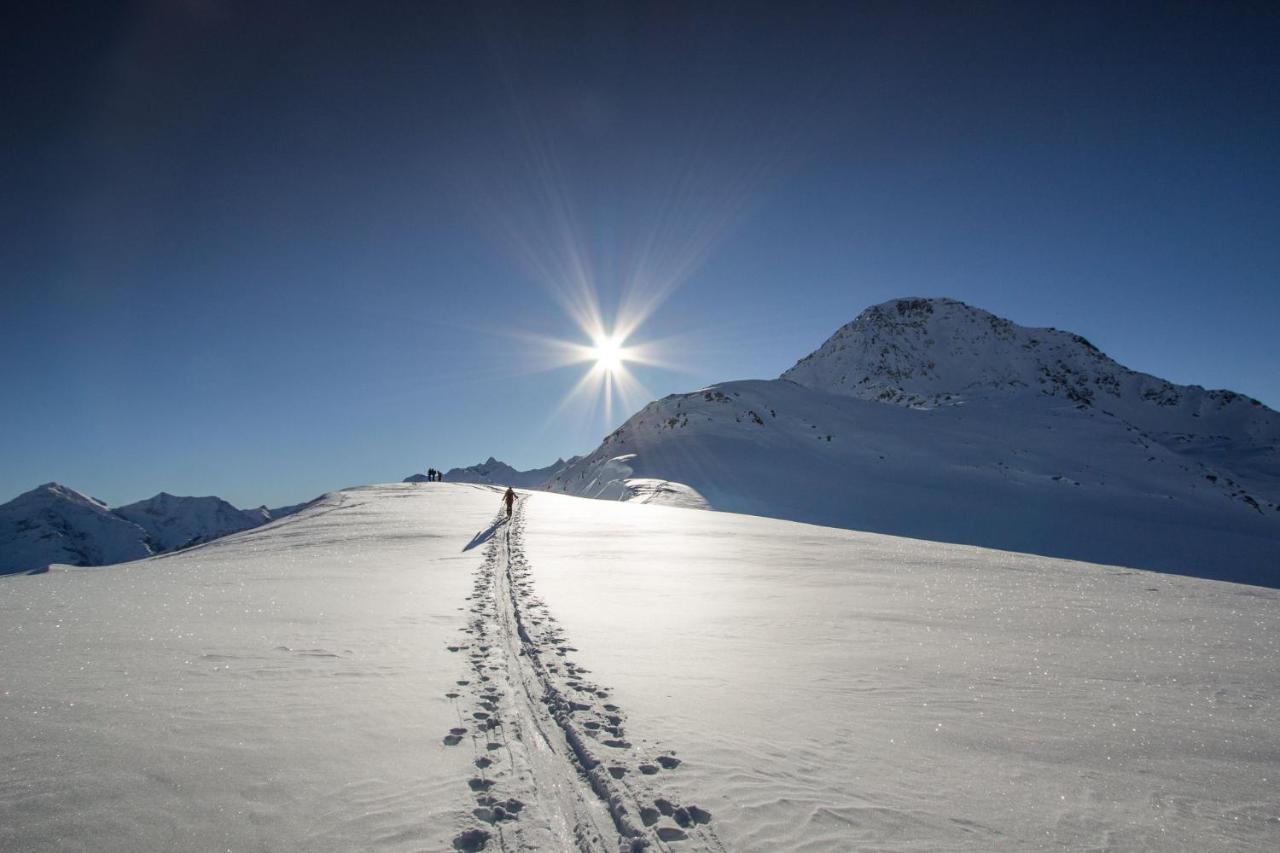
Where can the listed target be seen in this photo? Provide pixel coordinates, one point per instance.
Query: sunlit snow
(778, 686)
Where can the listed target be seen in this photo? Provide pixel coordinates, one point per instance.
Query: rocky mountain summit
(935, 352)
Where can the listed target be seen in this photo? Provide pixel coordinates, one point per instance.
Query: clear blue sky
(267, 250)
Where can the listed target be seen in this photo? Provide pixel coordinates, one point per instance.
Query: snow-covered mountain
(934, 352)
(175, 522)
(56, 524)
(933, 419)
(497, 473)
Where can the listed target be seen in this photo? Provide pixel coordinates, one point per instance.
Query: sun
(608, 354)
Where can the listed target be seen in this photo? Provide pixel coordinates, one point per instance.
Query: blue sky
(267, 254)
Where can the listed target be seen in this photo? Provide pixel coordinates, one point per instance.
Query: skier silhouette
(509, 498)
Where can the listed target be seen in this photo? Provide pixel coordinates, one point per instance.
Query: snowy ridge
(931, 419)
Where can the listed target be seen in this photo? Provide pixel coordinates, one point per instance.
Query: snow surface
(333, 681)
(932, 419)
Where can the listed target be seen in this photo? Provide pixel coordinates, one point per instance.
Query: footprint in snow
(668, 762)
(471, 841)
(699, 815)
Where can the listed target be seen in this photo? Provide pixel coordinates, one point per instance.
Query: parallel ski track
(541, 729)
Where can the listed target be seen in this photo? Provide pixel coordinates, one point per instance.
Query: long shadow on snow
(484, 535)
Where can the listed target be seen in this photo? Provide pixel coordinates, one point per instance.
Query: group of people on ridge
(434, 476)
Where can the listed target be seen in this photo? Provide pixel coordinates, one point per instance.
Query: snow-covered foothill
(397, 667)
(932, 419)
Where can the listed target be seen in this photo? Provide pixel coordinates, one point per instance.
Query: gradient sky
(264, 250)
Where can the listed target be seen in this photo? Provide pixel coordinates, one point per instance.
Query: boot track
(554, 767)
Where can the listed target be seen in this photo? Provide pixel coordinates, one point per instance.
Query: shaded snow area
(933, 419)
(401, 668)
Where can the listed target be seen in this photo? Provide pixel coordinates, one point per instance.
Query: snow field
(281, 689)
(390, 669)
(832, 690)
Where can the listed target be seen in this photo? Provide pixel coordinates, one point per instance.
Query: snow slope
(1038, 444)
(396, 668)
(56, 524)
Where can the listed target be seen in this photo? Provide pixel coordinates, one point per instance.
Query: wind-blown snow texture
(933, 419)
(397, 668)
(56, 524)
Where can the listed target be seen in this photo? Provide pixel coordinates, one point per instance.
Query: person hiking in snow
(431, 475)
(509, 498)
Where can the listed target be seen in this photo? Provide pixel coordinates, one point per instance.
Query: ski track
(554, 765)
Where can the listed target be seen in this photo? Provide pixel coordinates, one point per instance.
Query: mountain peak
(929, 352)
(53, 491)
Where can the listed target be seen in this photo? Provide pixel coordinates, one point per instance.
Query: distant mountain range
(56, 524)
(493, 472)
(933, 419)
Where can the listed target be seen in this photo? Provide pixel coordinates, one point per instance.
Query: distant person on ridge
(431, 475)
(509, 498)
